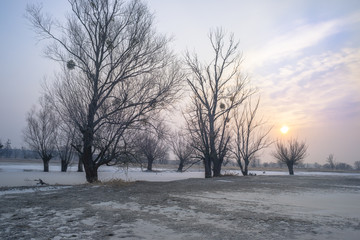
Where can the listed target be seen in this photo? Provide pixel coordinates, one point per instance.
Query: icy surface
(261, 207)
(30, 190)
(27, 174)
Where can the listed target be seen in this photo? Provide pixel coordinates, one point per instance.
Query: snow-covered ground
(268, 207)
(13, 174)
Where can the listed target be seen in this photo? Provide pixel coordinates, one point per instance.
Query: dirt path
(258, 207)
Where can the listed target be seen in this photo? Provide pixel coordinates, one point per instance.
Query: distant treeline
(22, 153)
(6, 151)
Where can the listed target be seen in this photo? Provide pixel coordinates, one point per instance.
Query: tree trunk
(207, 164)
(149, 165)
(213, 155)
(88, 139)
(80, 165)
(241, 166)
(181, 165)
(291, 168)
(64, 165)
(46, 165)
(216, 163)
(89, 165)
(217, 167)
(91, 173)
(246, 169)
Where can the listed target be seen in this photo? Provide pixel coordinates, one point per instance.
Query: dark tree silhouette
(6, 150)
(41, 131)
(343, 166)
(64, 143)
(181, 146)
(149, 144)
(357, 165)
(1, 148)
(218, 88)
(291, 153)
(330, 160)
(250, 137)
(116, 70)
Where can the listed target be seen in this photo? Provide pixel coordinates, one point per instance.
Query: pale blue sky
(303, 55)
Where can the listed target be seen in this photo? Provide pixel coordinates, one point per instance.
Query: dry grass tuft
(114, 183)
(230, 174)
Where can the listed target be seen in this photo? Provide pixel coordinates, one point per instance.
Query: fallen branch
(40, 182)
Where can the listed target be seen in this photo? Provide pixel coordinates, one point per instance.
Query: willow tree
(116, 71)
(218, 87)
(64, 142)
(41, 131)
(291, 153)
(182, 149)
(149, 143)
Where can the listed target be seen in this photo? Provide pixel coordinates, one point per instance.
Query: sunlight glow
(284, 129)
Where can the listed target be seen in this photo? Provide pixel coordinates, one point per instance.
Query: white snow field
(20, 174)
(26, 173)
(264, 207)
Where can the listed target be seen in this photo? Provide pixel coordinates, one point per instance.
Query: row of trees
(184, 154)
(333, 165)
(118, 76)
(5, 150)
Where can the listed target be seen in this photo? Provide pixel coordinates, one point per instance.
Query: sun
(284, 129)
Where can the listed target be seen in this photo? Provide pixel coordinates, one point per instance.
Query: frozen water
(26, 174)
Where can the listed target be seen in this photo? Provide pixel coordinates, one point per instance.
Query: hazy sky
(304, 56)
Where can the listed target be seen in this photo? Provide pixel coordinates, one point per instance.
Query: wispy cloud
(303, 81)
(296, 38)
(316, 88)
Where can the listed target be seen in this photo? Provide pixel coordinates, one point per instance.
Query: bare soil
(253, 207)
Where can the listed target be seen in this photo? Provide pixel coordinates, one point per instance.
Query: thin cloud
(315, 88)
(294, 41)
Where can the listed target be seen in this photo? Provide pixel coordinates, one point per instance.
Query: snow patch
(306, 204)
(143, 230)
(31, 190)
(25, 174)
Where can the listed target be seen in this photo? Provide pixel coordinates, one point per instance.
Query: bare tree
(218, 88)
(41, 131)
(64, 145)
(152, 149)
(182, 148)
(6, 150)
(291, 153)
(343, 166)
(330, 160)
(1, 146)
(250, 136)
(117, 70)
(357, 165)
(150, 144)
